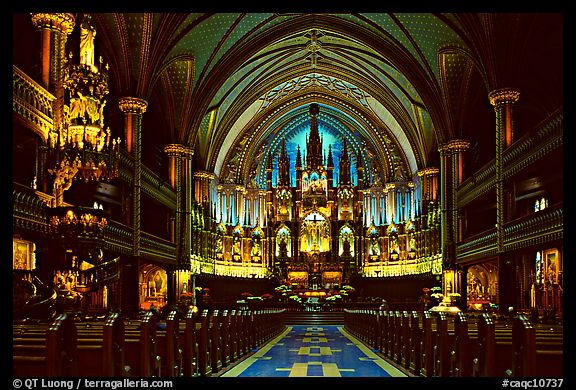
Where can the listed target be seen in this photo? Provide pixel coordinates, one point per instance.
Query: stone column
(54, 29)
(179, 174)
(133, 109)
(502, 100)
(429, 180)
(451, 177)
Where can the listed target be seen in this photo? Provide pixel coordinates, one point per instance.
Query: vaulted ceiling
(394, 85)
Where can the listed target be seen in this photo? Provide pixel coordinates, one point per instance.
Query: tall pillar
(180, 178)
(502, 100)
(133, 109)
(203, 194)
(54, 30)
(429, 180)
(452, 173)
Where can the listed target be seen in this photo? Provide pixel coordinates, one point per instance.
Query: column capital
(390, 186)
(175, 150)
(503, 96)
(132, 105)
(63, 22)
(456, 145)
(204, 175)
(430, 171)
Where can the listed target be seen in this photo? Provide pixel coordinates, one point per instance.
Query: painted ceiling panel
(134, 25)
(387, 25)
(355, 72)
(455, 67)
(241, 32)
(430, 34)
(204, 38)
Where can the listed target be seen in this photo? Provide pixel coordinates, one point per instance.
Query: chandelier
(80, 147)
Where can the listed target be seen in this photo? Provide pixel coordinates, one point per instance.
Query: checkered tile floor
(314, 351)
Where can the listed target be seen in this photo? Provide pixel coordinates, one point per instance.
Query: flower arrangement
(295, 298)
(438, 296)
(283, 288)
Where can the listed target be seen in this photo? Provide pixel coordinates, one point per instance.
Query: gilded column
(186, 154)
(133, 109)
(54, 29)
(203, 182)
(452, 176)
(429, 185)
(447, 244)
(502, 100)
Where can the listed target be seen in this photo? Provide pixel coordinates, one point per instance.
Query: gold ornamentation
(132, 105)
(63, 22)
(504, 96)
(204, 175)
(79, 143)
(457, 145)
(175, 150)
(431, 171)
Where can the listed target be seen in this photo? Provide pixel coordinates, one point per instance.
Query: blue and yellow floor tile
(314, 351)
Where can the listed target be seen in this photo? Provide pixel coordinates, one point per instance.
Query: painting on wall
(22, 255)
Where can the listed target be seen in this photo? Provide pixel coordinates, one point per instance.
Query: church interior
(364, 164)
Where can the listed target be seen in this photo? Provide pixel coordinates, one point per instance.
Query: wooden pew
(204, 349)
(191, 343)
(142, 357)
(415, 343)
(427, 345)
(29, 350)
(114, 363)
(234, 336)
(405, 337)
(215, 340)
(460, 362)
(170, 348)
(225, 338)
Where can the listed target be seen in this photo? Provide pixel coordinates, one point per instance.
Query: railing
(32, 102)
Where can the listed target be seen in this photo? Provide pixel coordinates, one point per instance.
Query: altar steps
(314, 318)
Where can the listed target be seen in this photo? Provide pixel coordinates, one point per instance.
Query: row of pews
(460, 345)
(195, 344)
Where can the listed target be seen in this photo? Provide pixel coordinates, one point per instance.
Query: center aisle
(314, 351)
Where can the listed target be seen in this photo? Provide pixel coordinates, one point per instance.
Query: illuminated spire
(314, 146)
(283, 166)
(298, 158)
(345, 166)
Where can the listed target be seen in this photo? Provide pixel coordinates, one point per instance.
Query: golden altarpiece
(314, 228)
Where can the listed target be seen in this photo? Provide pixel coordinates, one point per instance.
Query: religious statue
(256, 249)
(346, 247)
(87, 35)
(219, 244)
(236, 246)
(374, 246)
(283, 247)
